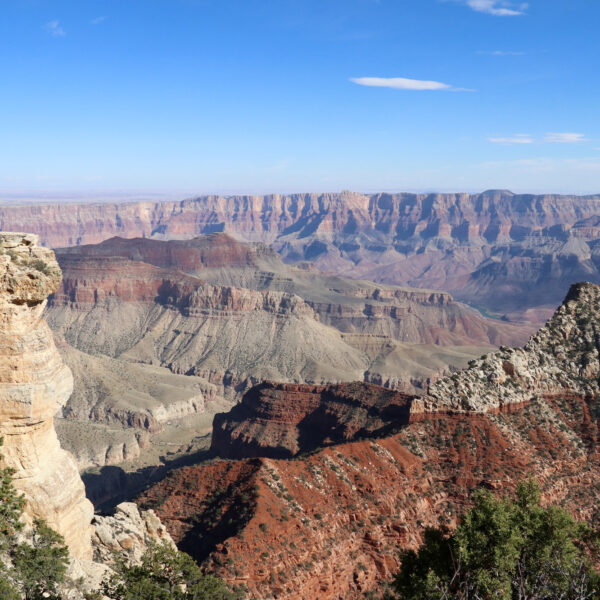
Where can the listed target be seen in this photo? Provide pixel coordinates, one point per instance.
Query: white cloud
(98, 20)
(497, 8)
(401, 83)
(518, 138)
(550, 138)
(564, 138)
(501, 52)
(54, 28)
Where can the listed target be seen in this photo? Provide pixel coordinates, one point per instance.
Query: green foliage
(164, 574)
(11, 506)
(41, 566)
(504, 549)
(40, 265)
(7, 590)
(34, 569)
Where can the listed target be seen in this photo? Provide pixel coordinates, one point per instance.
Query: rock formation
(282, 420)
(203, 320)
(127, 532)
(505, 251)
(234, 314)
(563, 356)
(329, 524)
(34, 384)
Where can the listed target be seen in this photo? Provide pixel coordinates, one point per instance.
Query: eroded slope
(329, 524)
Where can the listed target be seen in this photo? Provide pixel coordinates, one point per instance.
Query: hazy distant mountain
(502, 251)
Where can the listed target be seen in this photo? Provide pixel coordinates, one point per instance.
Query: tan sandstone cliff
(34, 384)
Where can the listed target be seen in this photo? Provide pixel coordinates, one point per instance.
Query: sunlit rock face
(34, 384)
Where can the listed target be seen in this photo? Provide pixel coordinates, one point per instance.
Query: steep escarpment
(507, 252)
(34, 384)
(329, 524)
(234, 314)
(282, 420)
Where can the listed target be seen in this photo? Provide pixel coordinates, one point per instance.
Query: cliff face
(234, 314)
(282, 420)
(492, 215)
(329, 524)
(504, 251)
(34, 384)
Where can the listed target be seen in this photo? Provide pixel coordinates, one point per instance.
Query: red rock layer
(189, 256)
(283, 420)
(329, 525)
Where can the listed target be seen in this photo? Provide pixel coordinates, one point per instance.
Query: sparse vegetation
(32, 569)
(505, 550)
(164, 574)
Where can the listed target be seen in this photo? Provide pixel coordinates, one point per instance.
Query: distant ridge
(505, 252)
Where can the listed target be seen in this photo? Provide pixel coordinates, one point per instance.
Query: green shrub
(504, 549)
(36, 568)
(164, 574)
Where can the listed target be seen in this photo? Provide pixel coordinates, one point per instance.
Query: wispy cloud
(549, 138)
(98, 20)
(401, 83)
(497, 8)
(518, 138)
(501, 52)
(564, 138)
(54, 28)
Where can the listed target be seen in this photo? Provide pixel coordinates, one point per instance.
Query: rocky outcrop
(127, 533)
(34, 384)
(504, 251)
(562, 357)
(283, 420)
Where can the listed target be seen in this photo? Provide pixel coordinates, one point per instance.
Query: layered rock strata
(329, 524)
(34, 384)
(282, 420)
(231, 314)
(505, 251)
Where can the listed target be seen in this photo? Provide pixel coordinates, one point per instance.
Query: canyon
(328, 523)
(512, 254)
(315, 482)
(160, 331)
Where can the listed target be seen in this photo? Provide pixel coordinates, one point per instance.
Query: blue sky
(231, 96)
